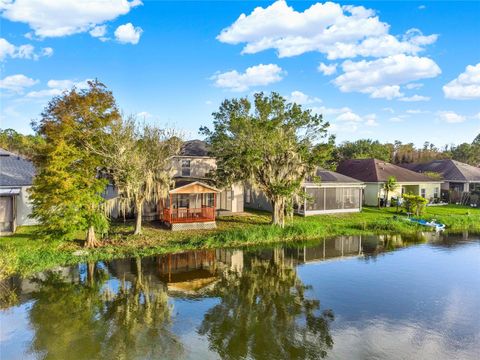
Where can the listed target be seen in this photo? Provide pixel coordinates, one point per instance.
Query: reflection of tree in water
(264, 314)
(375, 245)
(83, 320)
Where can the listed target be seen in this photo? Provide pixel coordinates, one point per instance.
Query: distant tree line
(400, 153)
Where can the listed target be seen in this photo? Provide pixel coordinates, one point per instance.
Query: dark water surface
(374, 297)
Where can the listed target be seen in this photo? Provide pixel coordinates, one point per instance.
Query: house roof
(15, 170)
(374, 170)
(194, 148)
(451, 170)
(193, 188)
(327, 176)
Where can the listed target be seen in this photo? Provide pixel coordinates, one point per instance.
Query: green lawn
(24, 253)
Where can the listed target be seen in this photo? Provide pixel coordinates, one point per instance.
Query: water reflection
(258, 304)
(92, 319)
(264, 312)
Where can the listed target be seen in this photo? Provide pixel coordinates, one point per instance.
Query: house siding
(24, 208)
(373, 191)
(200, 167)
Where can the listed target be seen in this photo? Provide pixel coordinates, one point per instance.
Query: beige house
(193, 203)
(375, 173)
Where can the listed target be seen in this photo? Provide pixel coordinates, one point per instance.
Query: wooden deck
(187, 215)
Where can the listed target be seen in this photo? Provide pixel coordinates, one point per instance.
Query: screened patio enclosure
(190, 203)
(324, 199)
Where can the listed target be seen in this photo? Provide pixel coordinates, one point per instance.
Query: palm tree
(389, 186)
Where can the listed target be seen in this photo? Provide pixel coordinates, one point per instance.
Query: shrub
(414, 203)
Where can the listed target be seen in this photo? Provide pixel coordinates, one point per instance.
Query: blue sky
(390, 70)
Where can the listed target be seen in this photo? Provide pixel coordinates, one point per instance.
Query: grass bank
(25, 254)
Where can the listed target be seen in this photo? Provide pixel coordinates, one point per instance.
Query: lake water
(373, 297)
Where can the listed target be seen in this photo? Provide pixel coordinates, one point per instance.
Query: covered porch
(190, 204)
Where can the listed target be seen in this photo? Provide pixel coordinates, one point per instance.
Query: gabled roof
(327, 176)
(194, 148)
(193, 188)
(451, 170)
(374, 170)
(15, 170)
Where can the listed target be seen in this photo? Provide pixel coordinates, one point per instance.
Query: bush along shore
(24, 253)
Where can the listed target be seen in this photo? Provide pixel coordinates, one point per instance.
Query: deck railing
(183, 215)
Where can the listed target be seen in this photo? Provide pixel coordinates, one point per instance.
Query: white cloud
(98, 31)
(413, 86)
(258, 75)
(17, 83)
(302, 99)
(58, 18)
(128, 34)
(389, 109)
(21, 52)
(381, 78)
(385, 92)
(144, 115)
(349, 116)
(395, 119)
(346, 120)
(57, 87)
(450, 117)
(416, 111)
(329, 28)
(370, 120)
(466, 86)
(327, 69)
(414, 98)
(422, 7)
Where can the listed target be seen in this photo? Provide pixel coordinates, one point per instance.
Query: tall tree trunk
(138, 218)
(91, 241)
(278, 214)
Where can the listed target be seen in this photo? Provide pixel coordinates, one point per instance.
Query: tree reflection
(88, 320)
(264, 314)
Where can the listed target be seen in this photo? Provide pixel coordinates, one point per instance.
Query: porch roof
(195, 187)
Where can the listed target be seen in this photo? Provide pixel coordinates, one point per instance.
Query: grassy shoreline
(24, 254)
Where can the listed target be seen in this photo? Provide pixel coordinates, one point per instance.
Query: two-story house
(193, 203)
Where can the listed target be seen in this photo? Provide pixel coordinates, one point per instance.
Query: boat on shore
(433, 223)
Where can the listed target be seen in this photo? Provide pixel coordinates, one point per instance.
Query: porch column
(171, 208)
(214, 204)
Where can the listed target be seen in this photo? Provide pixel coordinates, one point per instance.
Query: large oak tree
(271, 143)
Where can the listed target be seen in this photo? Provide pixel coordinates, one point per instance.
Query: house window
(183, 201)
(248, 196)
(423, 193)
(185, 167)
(436, 193)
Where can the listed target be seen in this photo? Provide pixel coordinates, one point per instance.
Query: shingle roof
(451, 170)
(15, 170)
(374, 170)
(194, 148)
(334, 177)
